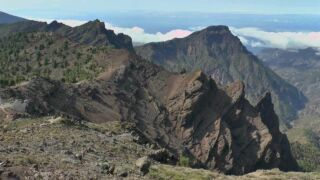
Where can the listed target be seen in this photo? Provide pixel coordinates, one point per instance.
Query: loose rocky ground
(57, 148)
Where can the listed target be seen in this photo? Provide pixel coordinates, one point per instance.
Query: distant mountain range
(299, 67)
(8, 19)
(299, 59)
(222, 56)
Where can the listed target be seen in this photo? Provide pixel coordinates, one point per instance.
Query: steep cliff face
(222, 56)
(95, 33)
(185, 113)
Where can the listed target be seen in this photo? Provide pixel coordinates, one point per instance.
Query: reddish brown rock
(184, 113)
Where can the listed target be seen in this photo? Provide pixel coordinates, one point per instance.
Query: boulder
(143, 164)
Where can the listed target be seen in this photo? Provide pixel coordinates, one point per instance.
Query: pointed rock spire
(268, 115)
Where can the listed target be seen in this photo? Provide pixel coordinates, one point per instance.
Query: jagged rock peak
(54, 22)
(55, 25)
(95, 33)
(236, 90)
(266, 108)
(199, 75)
(95, 25)
(265, 101)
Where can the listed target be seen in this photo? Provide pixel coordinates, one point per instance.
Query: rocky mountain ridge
(188, 114)
(92, 33)
(222, 56)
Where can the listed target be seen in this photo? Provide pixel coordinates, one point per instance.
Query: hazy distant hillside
(301, 68)
(299, 59)
(220, 54)
(8, 19)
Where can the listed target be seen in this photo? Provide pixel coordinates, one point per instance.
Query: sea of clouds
(253, 37)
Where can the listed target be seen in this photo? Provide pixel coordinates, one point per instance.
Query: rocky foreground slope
(57, 148)
(188, 114)
(222, 56)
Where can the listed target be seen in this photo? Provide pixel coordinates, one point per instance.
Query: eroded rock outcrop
(184, 113)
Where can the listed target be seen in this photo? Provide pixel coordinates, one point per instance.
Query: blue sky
(55, 8)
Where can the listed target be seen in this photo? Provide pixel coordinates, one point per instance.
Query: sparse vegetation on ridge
(27, 55)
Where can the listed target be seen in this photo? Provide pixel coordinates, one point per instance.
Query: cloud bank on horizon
(253, 37)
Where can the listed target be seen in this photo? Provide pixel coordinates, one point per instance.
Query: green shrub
(184, 161)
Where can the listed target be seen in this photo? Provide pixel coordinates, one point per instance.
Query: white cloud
(139, 35)
(284, 40)
(243, 40)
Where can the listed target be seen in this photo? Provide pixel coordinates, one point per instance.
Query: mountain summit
(222, 56)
